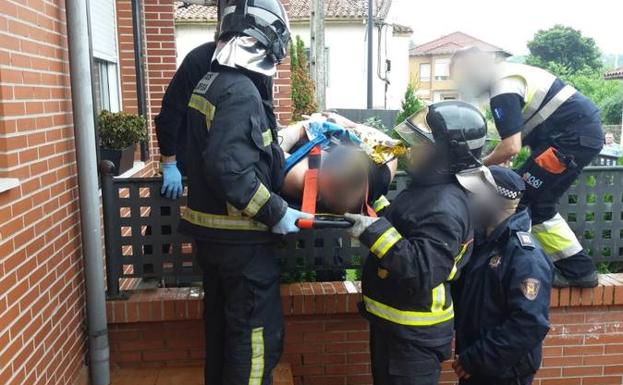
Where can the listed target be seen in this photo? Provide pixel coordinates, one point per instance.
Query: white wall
(347, 61)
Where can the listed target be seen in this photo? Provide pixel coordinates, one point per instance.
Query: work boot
(587, 281)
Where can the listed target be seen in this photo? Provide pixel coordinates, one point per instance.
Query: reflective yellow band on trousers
(380, 204)
(557, 238)
(257, 356)
(258, 200)
(385, 242)
(408, 318)
(222, 222)
(457, 259)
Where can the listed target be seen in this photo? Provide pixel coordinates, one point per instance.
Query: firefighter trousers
(243, 316)
(398, 361)
(549, 172)
(475, 380)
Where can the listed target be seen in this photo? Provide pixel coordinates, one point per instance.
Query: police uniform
(563, 130)
(502, 302)
(234, 168)
(416, 249)
(171, 121)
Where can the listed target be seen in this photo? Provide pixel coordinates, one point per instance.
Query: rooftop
(614, 74)
(299, 10)
(451, 43)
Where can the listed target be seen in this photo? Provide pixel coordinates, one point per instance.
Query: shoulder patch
(526, 240)
(530, 288)
(205, 83)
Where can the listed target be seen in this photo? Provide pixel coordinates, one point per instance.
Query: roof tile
(451, 43)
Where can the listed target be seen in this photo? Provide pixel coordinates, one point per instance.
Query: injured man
(335, 166)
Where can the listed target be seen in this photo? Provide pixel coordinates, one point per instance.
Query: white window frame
(441, 69)
(421, 72)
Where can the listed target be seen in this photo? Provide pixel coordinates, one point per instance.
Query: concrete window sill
(7, 184)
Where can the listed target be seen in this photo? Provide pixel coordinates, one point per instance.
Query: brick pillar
(126, 56)
(160, 55)
(283, 87)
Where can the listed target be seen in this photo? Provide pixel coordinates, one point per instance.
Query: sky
(510, 24)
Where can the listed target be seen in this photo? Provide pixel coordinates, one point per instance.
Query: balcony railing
(142, 242)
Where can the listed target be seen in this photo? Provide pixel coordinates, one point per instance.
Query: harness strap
(547, 110)
(302, 152)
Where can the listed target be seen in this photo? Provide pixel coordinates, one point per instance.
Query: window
(442, 69)
(425, 72)
(106, 86)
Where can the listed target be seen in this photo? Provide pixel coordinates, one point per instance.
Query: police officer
(420, 244)
(234, 169)
(171, 121)
(502, 297)
(563, 130)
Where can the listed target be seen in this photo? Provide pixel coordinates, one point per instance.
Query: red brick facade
(41, 283)
(327, 340)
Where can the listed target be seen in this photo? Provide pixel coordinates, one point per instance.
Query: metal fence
(142, 242)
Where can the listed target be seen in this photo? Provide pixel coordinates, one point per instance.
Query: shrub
(120, 130)
(410, 104)
(303, 89)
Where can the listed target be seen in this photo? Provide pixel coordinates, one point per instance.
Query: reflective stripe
(202, 105)
(385, 242)
(259, 199)
(547, 110)
(221, 222)
(408, 318)
(439, 298)
(458, 258)
(557, 238)
(267, 138)
(257, 356)
(380, 204)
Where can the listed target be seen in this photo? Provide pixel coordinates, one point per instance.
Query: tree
(410, 104)
(303, 90)
(565, 46)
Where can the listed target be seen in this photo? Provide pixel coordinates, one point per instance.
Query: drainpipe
(139, 66)
(370, 102)
(84, 131)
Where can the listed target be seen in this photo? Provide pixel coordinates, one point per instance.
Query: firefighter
(234, 169)
(420, 244)
(171, 121)
(561, 126)
(502, 298)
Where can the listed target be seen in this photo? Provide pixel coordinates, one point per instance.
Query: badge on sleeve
(495, 261)
(530, 288)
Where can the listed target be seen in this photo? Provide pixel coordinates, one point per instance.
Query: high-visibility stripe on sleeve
(221, 222)
(258, 200)
(404, 317)
(257, 357)
(439, 298)
(267, 138)
(457, 259)
(385, 242)
(380, 204)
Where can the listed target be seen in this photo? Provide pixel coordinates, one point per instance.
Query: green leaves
(303, 89)
(410, 104)
(120, 130)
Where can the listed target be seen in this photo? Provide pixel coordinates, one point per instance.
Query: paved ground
(180, 376)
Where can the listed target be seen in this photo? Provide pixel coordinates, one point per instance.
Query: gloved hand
(287, 224)
(360, 223)
(171, 181)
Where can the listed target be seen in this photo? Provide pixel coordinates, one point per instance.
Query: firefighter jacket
(417, 248)
(502, 303)
(235, 164)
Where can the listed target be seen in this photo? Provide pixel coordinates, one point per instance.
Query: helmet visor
(415, 130)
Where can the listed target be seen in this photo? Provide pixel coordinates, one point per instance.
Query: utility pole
(317, 53)
(370, 51)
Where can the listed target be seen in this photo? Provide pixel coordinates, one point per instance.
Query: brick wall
(41, 288)
(327, 341)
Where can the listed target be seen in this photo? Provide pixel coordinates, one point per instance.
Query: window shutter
(103, 29)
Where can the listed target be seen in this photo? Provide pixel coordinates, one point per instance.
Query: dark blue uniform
(502, 305)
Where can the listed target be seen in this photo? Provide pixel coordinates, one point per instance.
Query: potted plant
(118, 134)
